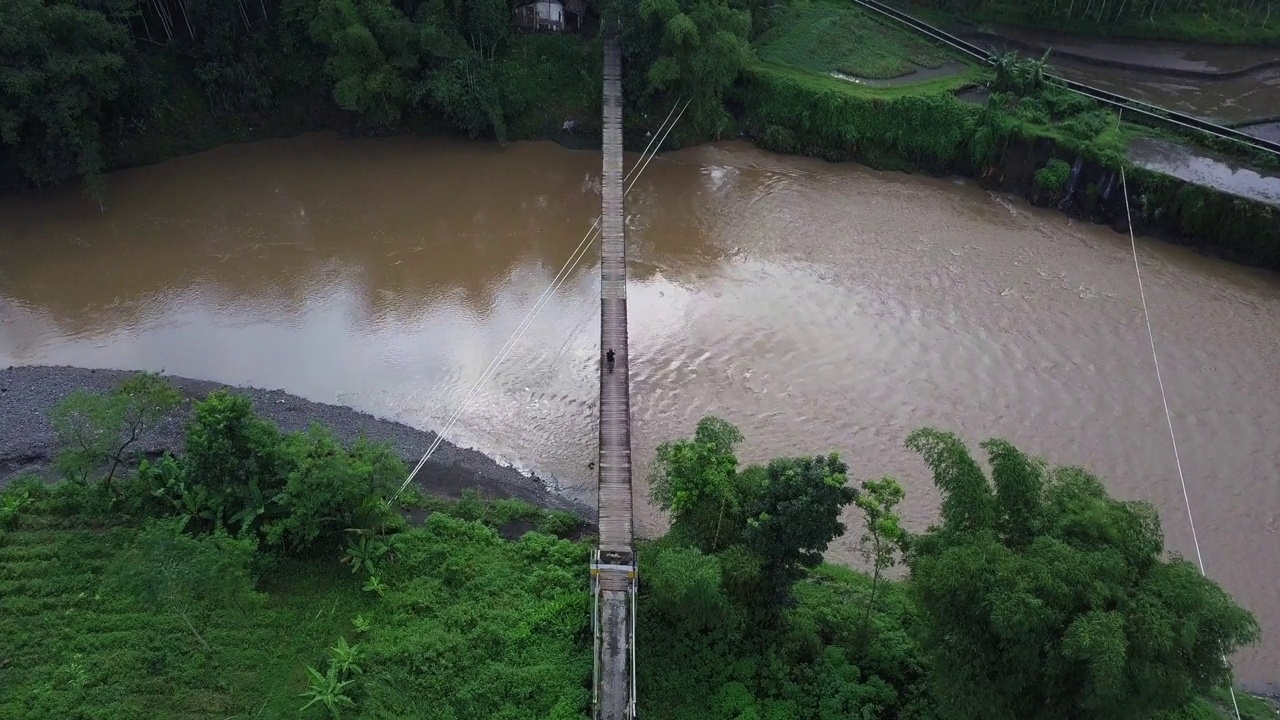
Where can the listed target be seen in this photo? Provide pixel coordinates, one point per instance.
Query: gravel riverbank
(28, 393)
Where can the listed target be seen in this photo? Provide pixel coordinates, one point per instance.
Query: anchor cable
(560, 278)
(1164, 398)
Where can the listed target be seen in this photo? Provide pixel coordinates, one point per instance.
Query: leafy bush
(95, 430)
(1046, 598)
(1054, 176)
(928, 128)
(330, 490)
(294, 492)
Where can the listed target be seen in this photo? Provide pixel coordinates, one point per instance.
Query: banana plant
(13, 503)
(345, 656)
(255, 507)
(362, 550)
(373, 584)
(327, 689)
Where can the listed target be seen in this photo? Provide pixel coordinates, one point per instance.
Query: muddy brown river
(819, 307)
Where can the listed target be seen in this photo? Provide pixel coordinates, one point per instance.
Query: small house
(554, 15)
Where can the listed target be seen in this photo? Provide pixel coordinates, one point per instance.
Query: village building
(554, 15)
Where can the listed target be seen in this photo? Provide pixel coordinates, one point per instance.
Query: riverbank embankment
(28, 443)
(1011, 144)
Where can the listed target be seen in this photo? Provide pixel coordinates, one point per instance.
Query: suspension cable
(556, 283)
(560, 278)
(1164, 398)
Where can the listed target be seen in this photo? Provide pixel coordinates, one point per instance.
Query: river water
(819, 307)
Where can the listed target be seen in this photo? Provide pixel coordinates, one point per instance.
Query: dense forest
(89, 85)
(92, 84)
(269, 574)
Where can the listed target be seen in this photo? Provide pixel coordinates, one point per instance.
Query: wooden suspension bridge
(613, 566)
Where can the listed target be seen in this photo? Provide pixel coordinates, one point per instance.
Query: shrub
(95, 430)
(329, 490)
(1054, 176)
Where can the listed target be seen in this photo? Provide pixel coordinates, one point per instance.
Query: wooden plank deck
(615, 571)
(615, 400)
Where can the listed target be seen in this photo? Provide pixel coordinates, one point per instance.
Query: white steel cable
(556, 283)
(578, 328)
(1164, 398)
(559, 280)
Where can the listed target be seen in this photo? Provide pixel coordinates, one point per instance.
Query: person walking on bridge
(608, 358)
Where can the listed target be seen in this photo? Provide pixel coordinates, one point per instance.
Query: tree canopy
(686, 50)
(1035, 595)
(60, 66)
(1048, 599)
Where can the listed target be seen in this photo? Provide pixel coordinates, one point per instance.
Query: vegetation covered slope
(827, 37)
(263, 575)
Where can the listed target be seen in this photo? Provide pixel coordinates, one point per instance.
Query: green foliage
(1035, 596)
(884, 535)
(96, 430)
(1018, 75)
(1046, 598)
(782, 515)
(327, 689)
(373, 53)
(926, 126)
(60, 67)
(795, 515)
(1053, 177)
(826, 37)
(21, 494)
(697, 481)
(229, 50)
(473, 627)
(1238, 228)
(685, 585)
(232, 452)
(469, 626)
(329, 490)
(294, 492)
(813, 664)
(168, 571)
(689, 51)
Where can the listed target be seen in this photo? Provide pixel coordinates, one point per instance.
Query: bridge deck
(614, 571)
(615, 401)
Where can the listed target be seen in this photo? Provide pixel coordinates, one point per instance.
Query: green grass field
(469, 626)
(827, 37)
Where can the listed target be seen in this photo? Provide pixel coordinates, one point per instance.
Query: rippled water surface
(817, 306)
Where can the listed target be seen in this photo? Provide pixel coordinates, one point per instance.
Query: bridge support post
(614, 586)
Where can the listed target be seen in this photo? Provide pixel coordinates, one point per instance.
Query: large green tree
(373, 54)
(1048, 599)
(767, 524)
(60, 67)
(697, 481)
(795, 515)
(685, 50)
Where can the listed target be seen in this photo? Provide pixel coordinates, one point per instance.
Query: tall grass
(469, 626)
(826, 37)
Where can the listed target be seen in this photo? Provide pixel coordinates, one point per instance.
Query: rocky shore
(27, 443)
